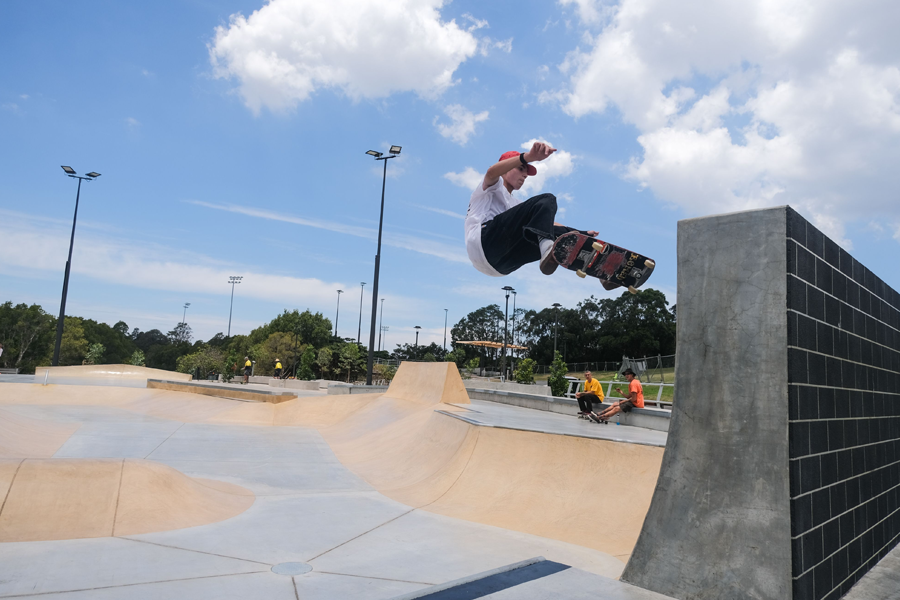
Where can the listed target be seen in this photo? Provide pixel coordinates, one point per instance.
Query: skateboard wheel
(632, 289)
(649, 263)
(581, 273)
(599, 247)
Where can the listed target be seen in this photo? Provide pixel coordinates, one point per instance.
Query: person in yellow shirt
(593, 392)
(634, 399)
(278, 368)
(248, 368)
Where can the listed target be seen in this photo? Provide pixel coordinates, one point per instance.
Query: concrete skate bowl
(115, 375)
(589, 492)
(56, 499)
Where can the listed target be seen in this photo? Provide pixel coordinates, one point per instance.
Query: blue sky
(231, 138)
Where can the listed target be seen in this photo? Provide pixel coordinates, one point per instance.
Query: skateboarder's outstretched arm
(539, 151)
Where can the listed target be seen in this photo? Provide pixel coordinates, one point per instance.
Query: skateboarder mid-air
(504, 233)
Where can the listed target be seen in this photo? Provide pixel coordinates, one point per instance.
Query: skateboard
(609, 263)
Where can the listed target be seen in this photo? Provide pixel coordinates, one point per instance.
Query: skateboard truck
(598, 250)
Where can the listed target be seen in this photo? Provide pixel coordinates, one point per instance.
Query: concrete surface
(719, 524)
(882, 582)
(222, 390)
(309, 506)
(507, 386)
(647, 418)
(109, 373)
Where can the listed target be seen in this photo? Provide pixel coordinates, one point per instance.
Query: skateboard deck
(609, 263)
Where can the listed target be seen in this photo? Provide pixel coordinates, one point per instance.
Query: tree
(636, 325)
(182, 334)
(278, 345)
(73, 345)
(137, 359)
(118, 346)
(525, 371)
(207, 360)
(324, 360)
(27, 334)
(307, 360)
(350, 359)
(94, 354)
(411, 352)
(557, 380)
(484, 324)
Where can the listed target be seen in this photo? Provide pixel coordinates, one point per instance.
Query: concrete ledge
(507, 386)
(648, 418)
(221, 391)
(345, 388)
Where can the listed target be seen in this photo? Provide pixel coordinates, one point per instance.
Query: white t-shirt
(484, 205)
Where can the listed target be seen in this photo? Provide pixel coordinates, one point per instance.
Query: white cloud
(450, 252)
(288, 49)
(557, 165)
(469, 178)
(40, 245)
(751, 104)
(462, 125)
(132, 123)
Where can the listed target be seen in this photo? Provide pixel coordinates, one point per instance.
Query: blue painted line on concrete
(498, 582)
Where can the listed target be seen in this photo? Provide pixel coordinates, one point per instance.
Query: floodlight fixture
(93, 174)
(395, 150)
(369, 152)
(68, 170)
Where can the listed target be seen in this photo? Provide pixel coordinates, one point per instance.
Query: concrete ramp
(57, 499)
(555, 486)
(122, 372)
(428, 382)
(22, 437)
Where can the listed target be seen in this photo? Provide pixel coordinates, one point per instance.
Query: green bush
(138, 359)
(94, 354)
(525, 371)
(557, 380)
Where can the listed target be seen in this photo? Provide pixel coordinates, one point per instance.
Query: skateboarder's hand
(592, 233)
(539, 151)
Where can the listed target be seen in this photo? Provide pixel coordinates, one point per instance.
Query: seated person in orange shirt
(593, 392)
(634, 399)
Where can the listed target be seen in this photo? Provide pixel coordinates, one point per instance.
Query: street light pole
(362, 284)
(506, 289)
(556, 306)
(416, 352)
(513, 336)
(184, 314)
(380, 328)
(62, 305)
(338, 313)
(233, 280)
(445, 328)
(392, 153)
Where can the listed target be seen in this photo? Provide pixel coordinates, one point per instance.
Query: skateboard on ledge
(613, 265)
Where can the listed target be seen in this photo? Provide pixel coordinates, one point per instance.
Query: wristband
(522, 158)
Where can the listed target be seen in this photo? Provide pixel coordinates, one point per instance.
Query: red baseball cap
(531, 170)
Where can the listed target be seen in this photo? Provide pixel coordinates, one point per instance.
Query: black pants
(511, 239)
(586, 402)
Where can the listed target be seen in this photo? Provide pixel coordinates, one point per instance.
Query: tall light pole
(417, 328)
(506, 289)
(445, 328)
(338, 313)
(513, 336)
(62, 305)
(393, 152)
(380, 328)
(556, 306)
(362, 284)
(384, 330)
(233, 280)
(184, 314)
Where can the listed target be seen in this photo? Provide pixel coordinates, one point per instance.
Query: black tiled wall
(844, 431)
